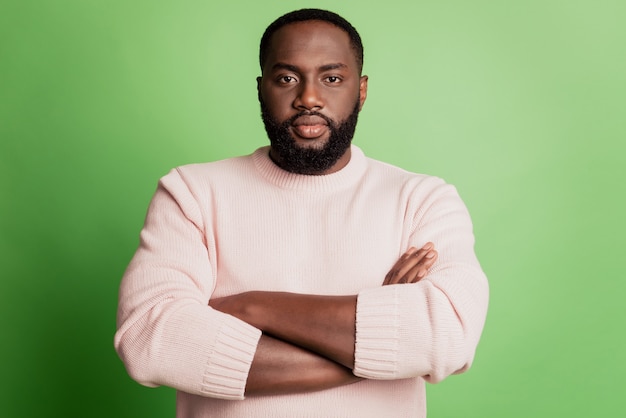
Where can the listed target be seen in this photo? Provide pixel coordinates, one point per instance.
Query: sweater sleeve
(167, 334)
(430, 328)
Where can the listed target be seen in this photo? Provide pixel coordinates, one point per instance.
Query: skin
(308, 340)
(283, 368)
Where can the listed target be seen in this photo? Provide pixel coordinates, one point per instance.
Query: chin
(314, 144)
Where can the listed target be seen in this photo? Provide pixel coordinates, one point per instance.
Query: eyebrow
(290, 67)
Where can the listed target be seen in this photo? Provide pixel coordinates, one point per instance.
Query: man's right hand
(412, 266)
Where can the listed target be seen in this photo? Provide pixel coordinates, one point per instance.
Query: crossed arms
(407, 324)
(308, 340)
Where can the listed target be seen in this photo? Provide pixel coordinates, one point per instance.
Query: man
(302, 280)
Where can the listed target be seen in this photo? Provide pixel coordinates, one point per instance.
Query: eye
(333, 79)
(286, 79)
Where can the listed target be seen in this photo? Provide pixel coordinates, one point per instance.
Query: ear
(258, 87)
(362, 91)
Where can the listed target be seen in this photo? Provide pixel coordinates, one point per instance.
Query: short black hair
(304, 15)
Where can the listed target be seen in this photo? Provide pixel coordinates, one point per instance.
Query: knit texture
(242, 224)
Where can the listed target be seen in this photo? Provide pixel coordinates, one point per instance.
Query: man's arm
(279, 367)
(322, 324)
(429, 328)
(166, 333)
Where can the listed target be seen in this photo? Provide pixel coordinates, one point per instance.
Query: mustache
(292, 119)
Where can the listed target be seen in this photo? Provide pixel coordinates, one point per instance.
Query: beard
(307, 160)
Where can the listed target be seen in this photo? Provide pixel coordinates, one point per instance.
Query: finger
(416, 259)
(420, 271)
(406, 262)
(409, 260)
(392, 274)
(410, 272)
(429, 259)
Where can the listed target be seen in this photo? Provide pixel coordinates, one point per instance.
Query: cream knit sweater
(243, 224)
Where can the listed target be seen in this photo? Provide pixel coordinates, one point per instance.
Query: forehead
(312, 43)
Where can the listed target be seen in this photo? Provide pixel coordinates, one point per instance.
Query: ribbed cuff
(377, 324)
(226, 374)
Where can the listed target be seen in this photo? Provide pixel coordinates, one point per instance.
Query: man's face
(311, 93)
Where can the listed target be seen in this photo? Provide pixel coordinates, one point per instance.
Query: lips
(310, 126)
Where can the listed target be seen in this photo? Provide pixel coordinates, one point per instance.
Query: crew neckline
(343, 178)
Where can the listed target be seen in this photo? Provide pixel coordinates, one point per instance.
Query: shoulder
(397, 177)
(417, 192)
(193, 184)
(202, 175)
(214, 168)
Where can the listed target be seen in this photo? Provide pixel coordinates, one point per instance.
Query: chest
(307, 243)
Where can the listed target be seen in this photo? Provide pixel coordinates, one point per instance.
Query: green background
(521, 104)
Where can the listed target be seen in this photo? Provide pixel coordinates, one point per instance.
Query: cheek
(344, 106)
(278, 105)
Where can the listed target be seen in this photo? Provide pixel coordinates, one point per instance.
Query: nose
(309, 97)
